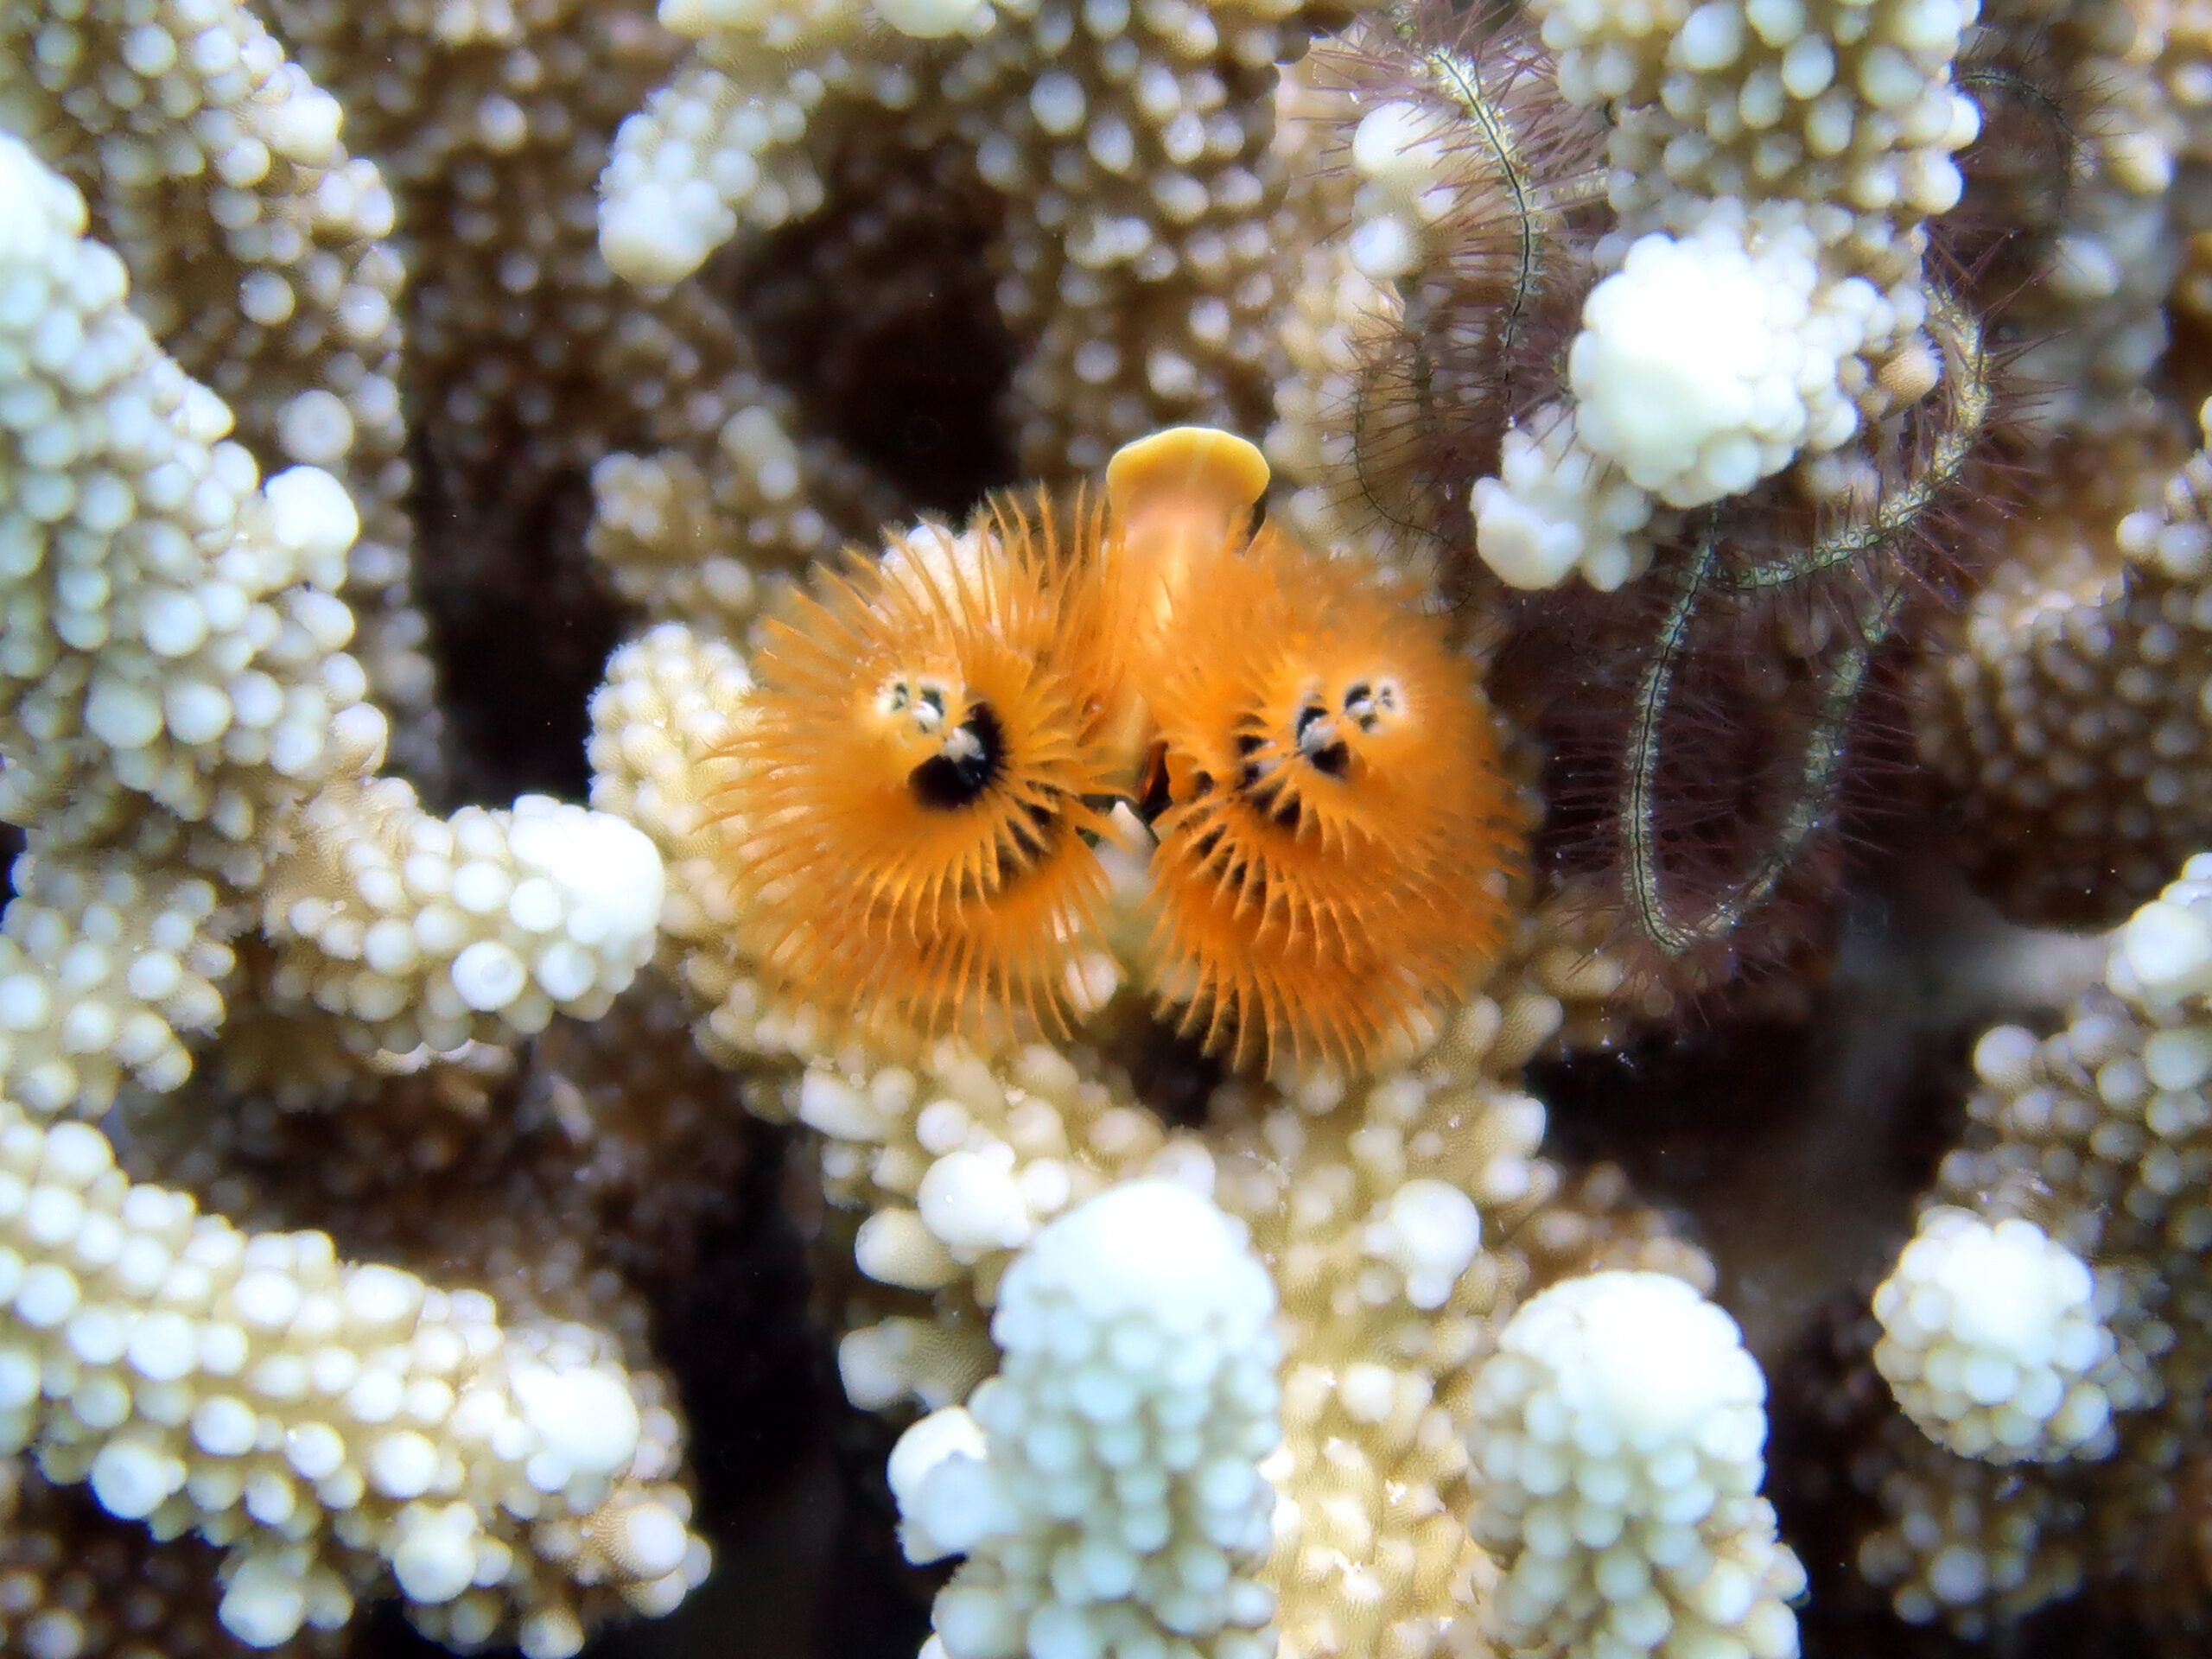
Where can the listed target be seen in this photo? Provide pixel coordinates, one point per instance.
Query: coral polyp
(916, 784)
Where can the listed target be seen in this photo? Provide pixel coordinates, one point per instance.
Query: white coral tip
(930, 20)
(2166, 950)
(312, 514)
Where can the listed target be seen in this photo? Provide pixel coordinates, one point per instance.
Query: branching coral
(78, 1581)
(181, 1337)
(1128, 148)
(421, 931)
(1642, 368)
(1771, 170)
(1779, 235)
(177, 692)
(259, 250)
(173, 681)
(1992, 1343)
(541, 393)
(2051, 1305)
(2069, 715)
(176, 649)
(1617, 1429)
(1105, 1486)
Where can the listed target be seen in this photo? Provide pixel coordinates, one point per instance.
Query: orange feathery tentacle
(916, 780)
(1331, 863)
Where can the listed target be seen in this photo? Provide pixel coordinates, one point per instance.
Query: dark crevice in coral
(1799, 1146)
(381, 1631)
(792, 1492)
(1835, 1408)
(1169, 1073)
(877, 312)
(1175, 1077)
(1800, 1143)
(520, 627)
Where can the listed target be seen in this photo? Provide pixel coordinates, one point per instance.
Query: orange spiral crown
(1338, 826)
(916, 786)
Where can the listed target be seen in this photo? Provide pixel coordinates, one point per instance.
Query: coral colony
(1179, 668)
